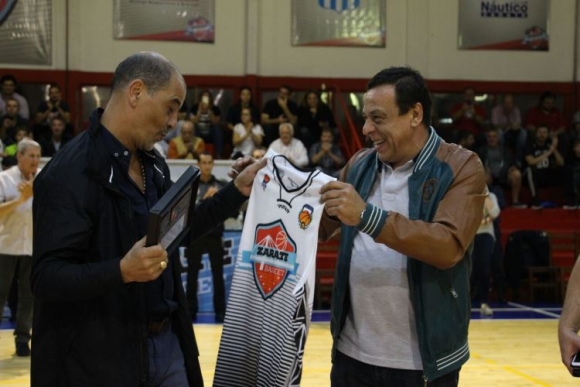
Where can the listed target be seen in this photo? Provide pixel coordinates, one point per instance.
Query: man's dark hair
(287, 87)
(154, 70)
(8, 77)
(547, 95)
(410, 88)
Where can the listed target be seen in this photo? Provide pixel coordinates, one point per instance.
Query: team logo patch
(273, 257)
(536, 38)
(6, 7)
(305, 216)
(265, 182)
(429, 189)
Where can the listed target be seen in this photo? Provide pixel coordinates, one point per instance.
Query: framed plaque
(171, 217)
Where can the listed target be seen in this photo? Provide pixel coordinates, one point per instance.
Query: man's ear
(416, 114)
(136, 90)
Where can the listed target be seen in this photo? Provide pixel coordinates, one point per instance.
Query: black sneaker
(22, 349)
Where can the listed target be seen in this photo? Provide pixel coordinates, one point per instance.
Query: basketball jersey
(272, 291)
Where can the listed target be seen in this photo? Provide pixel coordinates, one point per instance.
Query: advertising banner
(504, 25)
(26, 32)
(338, 23)
(177, 20)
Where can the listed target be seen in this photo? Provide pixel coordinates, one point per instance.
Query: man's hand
(342, 200)
(143, 264)
(569, 345)
(210, 192)
(244, 170)
(25, 189)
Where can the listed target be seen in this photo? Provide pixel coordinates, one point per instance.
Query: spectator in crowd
(54, 106)
(502, 166)
(8, 161)
(326, 155)
(497, 260)
(234, 115)
(575, 129)
(57, 139)
(278, 111)
(211, 243)
(207, 116)
(8, 86)
(572, 177)
(110, 311)
(544, 163)
(16, 237)
(313, 116)
(11, 120)
(22, 132)
(400, 302)
(247, 135)
(507, 119)
(466, 140)
(469, 115)
(187, 145)
(548, 115)
(483, 248)
(289, 146)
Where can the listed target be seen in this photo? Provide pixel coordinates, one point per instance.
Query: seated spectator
(278, 111)
(507, 118)
(502, 166)
(572, 177)
(57, 139)
(466, 140)
(21, 133)
(53, 107)
(548, 115)
(289, 146)
(544, 163)
(313, 116)
(235, 111)
(206, 116)
(8, 90)
(469, 115)
(326, 155)
(187, 145)
(247, 135)
(11, 120)
(575, 129)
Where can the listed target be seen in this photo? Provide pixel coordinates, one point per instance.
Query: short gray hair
(150, 67)
(26, 143)
(289, 125)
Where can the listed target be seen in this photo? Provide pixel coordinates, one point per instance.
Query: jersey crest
(273, 257)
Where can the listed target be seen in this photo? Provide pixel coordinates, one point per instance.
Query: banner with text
(338, 23)
(504, 25)
(26, 32)
(176, 20)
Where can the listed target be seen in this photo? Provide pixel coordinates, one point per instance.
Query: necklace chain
(143, 174)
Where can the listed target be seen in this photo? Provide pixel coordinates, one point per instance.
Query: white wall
(253, 37)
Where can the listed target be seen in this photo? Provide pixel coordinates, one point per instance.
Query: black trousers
(348, 372)
(213, 245)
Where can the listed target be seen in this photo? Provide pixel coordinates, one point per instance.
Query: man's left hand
(342, 200)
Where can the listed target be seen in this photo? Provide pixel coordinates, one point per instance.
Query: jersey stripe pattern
(270, 303)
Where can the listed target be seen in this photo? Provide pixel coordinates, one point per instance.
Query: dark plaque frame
(171, 217)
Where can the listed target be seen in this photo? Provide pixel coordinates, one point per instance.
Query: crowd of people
(539, 149)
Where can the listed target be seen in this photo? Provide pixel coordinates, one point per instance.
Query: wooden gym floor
(516, 347)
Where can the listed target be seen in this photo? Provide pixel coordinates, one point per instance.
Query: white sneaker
(569, 207)
(486, 310)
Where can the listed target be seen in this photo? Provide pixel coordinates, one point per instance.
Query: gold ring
(163, 265)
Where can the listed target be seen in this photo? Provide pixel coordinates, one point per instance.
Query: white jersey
(272, 291)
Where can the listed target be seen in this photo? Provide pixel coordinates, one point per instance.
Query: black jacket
(88, 329)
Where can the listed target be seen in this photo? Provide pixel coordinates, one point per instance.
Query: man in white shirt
(16, 236)
(289, 146)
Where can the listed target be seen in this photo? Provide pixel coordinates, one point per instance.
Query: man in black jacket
(110, 311)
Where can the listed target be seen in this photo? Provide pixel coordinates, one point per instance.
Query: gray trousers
(8, 266)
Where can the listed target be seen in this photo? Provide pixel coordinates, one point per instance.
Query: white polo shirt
(16, 227)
